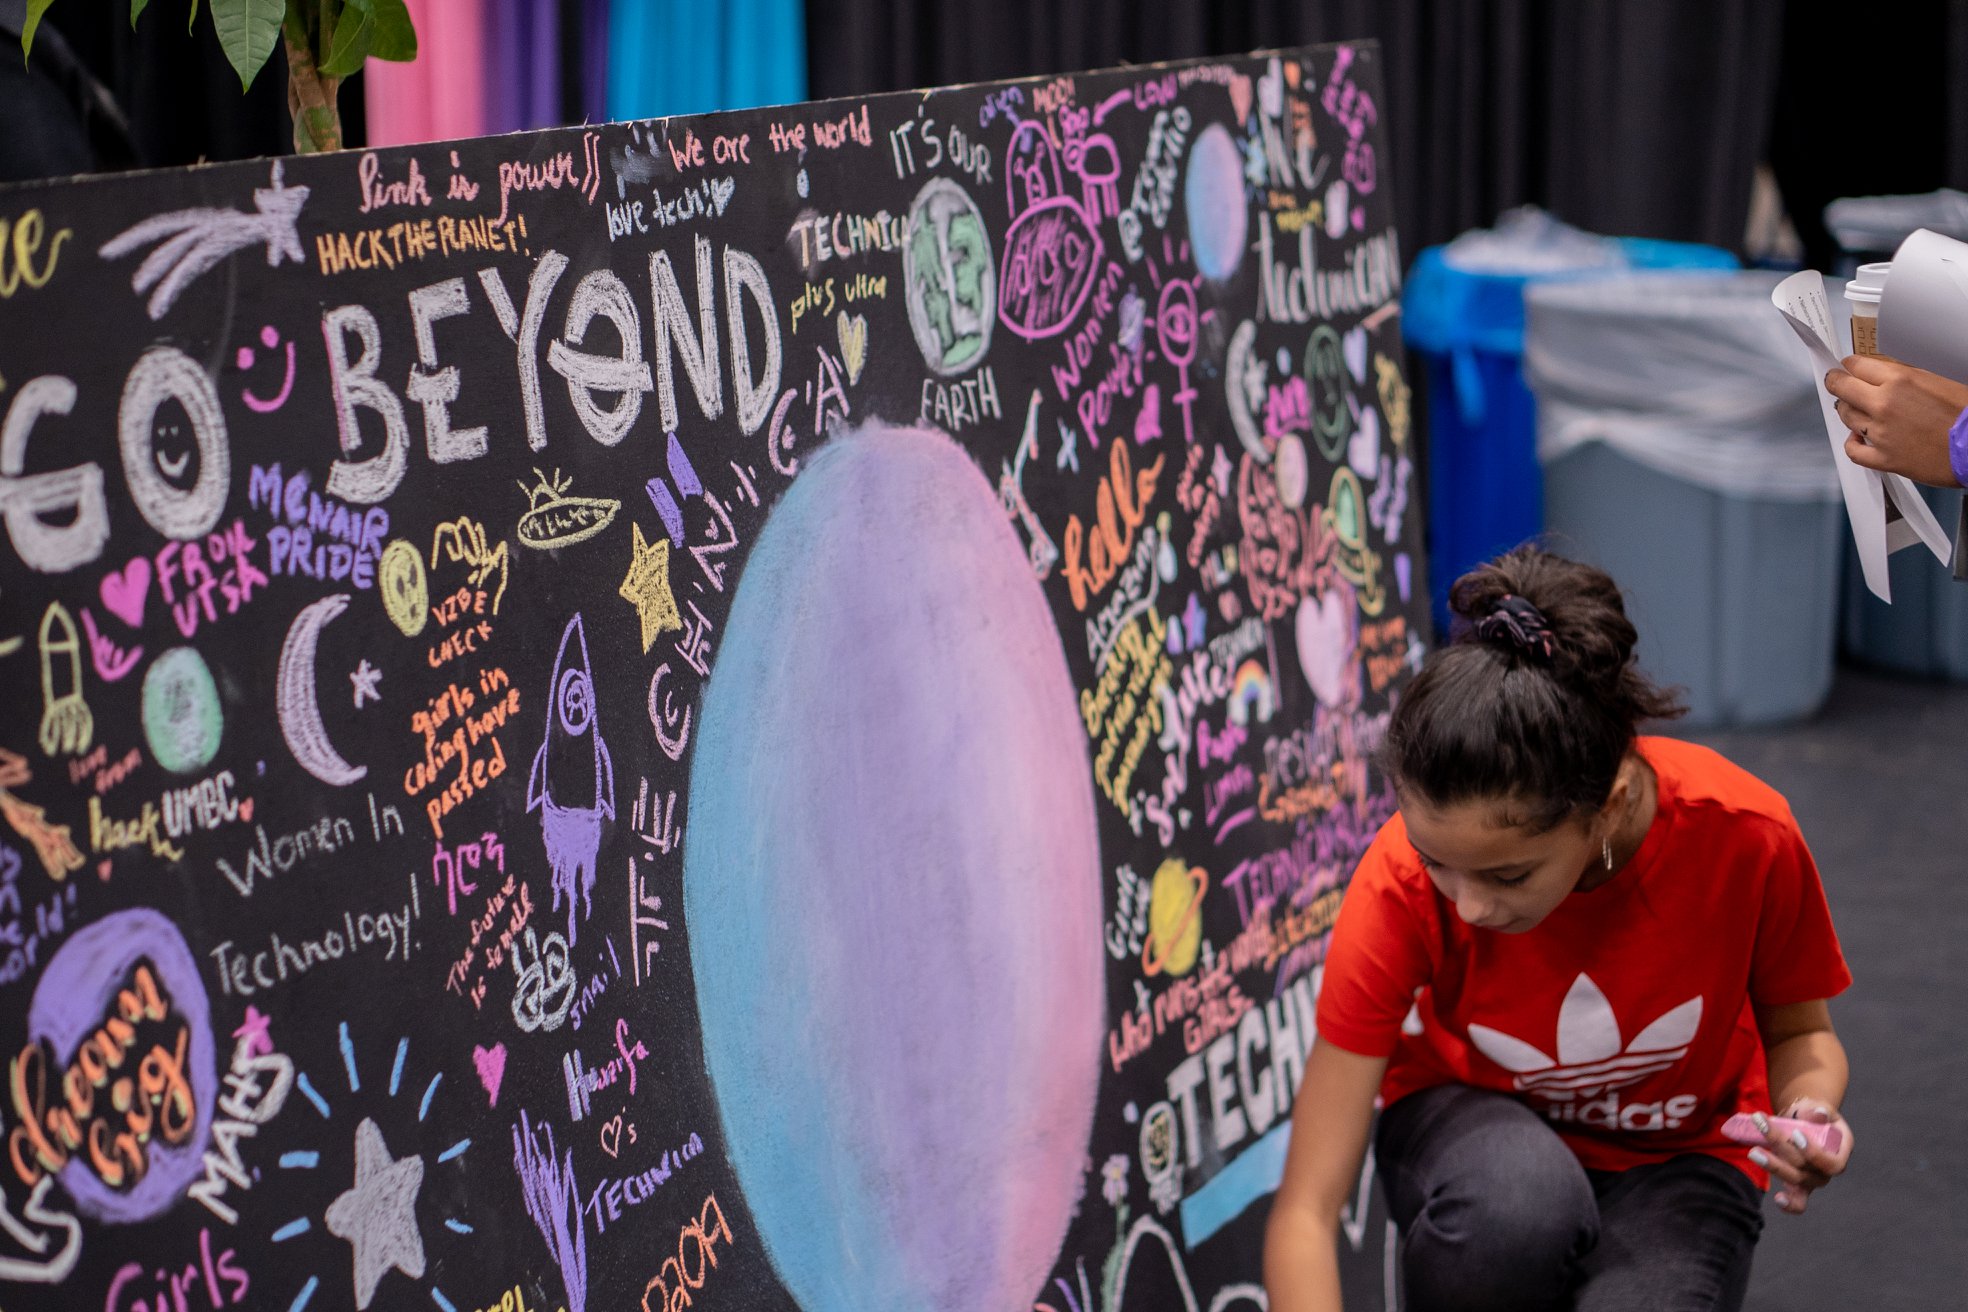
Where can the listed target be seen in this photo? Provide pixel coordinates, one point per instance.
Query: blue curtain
(689, 56)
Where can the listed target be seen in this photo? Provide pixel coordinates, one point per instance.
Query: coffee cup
(1863, 294)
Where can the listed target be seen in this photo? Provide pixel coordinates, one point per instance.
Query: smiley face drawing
(270, 339)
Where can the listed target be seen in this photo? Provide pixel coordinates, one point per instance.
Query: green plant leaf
(191, 19)
(248, 30)
(136, 10)
(396, 37)
(351, 46)
(35, 8)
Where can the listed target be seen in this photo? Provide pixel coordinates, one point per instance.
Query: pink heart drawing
(491, 1063)
(1326, 644)
(1240, 96)
(246, 811)
(123, 594)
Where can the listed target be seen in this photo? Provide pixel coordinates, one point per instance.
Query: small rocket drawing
(572, 783)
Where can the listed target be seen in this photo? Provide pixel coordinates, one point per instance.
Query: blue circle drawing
(892, 884)
(1213, 197)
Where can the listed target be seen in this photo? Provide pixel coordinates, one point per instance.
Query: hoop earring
(1606, 851)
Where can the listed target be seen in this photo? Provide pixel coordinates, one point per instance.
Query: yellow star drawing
(647, 586)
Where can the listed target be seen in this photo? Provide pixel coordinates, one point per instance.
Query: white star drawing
(365, 678)
(1220, 472)
(378, 1215)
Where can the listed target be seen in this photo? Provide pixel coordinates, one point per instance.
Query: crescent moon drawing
(300, 713)
(1243, 374)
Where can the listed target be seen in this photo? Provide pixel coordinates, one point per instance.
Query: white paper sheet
(1926, 325)
(1923, 311)
(1804, 304)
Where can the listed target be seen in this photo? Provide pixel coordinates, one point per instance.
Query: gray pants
(1496, 1213)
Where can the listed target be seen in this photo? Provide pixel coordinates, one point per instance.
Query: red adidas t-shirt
(1625, 1015)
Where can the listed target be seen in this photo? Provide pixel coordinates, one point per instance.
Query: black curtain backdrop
(1638, 119)
(1634, 117)
(1904, 131)
(180, 97)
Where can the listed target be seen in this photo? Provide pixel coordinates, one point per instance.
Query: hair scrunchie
(1518, 624)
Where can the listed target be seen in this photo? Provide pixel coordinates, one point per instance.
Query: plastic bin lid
(1689, 372)
(1881, 223)
(1468, 296)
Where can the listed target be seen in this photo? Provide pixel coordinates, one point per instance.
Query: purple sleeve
(1958, 461)
(1958, 447)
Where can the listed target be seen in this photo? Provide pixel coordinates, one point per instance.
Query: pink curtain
(441, 94)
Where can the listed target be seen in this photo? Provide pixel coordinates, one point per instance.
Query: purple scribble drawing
(552, 1197)
(572, 783)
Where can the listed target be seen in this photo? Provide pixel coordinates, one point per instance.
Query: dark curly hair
(1534, 703)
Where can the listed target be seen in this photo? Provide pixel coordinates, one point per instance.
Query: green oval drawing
(182, 718)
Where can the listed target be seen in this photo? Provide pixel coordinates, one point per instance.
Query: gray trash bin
(1925, 630)
(1684, 452)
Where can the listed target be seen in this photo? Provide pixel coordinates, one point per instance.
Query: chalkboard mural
(758, 711)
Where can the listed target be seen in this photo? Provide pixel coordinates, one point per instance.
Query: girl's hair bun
(1537, 698)
(1591, 638)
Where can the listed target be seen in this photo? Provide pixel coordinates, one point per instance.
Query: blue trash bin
(1485, 487)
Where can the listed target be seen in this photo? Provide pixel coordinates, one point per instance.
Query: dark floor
(1879, 782)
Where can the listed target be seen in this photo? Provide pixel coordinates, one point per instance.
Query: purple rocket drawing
(572, 783)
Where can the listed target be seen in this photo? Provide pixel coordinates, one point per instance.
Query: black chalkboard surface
(756, 711)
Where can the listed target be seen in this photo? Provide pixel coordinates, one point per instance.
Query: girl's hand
(1801, 1168)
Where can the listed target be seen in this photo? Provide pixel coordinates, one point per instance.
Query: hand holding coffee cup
(1899, 416)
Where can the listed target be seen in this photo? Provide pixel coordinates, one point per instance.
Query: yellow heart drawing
(854, 343)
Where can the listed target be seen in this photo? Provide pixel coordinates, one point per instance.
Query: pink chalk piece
(1742, 1128)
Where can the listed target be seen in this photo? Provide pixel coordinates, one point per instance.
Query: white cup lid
(1870, 282)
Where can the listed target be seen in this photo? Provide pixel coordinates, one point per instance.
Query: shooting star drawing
(572, 782)
(192, 241)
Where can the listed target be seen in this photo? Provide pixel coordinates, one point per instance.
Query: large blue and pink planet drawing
(893, 886)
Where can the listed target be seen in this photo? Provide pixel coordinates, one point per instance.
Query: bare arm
(1808, 1073)
(1806, 1058)
(1329, 1138)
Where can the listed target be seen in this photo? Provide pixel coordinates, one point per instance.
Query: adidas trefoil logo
(1590, 1058)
